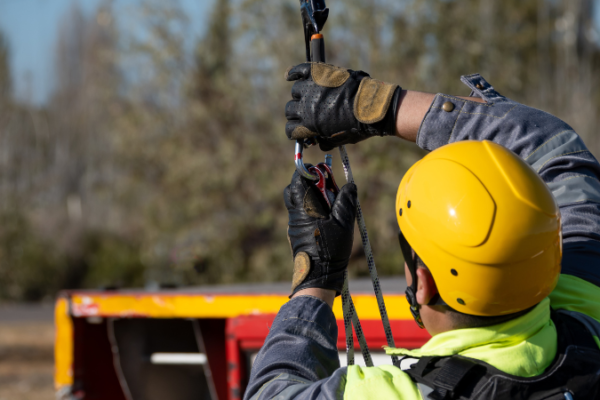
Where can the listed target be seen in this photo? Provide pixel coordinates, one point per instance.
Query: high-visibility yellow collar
(524, 346)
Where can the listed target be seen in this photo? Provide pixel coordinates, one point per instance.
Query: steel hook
(300, 164)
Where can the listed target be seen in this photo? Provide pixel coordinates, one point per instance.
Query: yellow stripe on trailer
(153, 305)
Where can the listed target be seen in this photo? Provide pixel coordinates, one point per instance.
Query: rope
(347, 311)
(374, 279)
(351, 318)
(360, 335)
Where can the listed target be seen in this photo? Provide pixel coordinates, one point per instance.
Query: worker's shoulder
(383, 382)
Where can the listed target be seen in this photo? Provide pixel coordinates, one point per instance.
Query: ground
(26, 356)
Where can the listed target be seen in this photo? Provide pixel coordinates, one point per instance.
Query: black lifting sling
(574, 373)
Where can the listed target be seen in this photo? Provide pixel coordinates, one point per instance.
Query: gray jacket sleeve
(548, 144)
(299, 359)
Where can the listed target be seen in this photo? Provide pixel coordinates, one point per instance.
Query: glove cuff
(330, 283)
(392, 114)
(387, 126)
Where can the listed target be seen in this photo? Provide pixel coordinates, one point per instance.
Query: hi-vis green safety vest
(523, 347)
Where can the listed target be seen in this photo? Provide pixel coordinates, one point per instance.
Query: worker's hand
(321, 239)
(339, 106)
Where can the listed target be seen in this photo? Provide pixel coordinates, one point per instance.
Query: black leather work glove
(339, 106)
(321, 239)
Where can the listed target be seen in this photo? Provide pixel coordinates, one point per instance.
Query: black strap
(423, 366)
(451, 372)
(454, 371)
(571, 331)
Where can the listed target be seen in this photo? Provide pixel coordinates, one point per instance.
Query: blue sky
(31, 27)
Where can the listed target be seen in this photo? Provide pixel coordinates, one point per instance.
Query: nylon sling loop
(314, 14)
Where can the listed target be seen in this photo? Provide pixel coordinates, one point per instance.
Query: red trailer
(191, 343)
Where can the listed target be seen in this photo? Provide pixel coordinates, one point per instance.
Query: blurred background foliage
(151, 167)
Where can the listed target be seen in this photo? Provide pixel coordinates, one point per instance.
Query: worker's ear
(426, 287)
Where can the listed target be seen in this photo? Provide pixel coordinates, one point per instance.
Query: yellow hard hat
(485, 225)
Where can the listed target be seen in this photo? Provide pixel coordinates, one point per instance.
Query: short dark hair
(462, 320)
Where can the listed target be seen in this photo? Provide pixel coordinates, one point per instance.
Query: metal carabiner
(300, 163)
